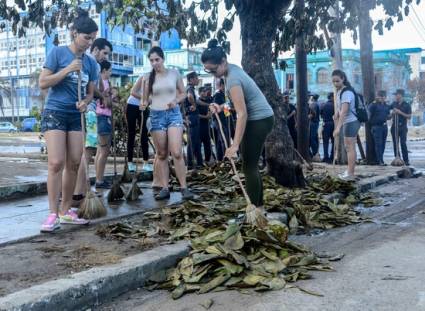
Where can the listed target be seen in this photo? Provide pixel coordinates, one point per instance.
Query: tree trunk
(260, 19)
(303, 130)
(368, 75)
(336, 50)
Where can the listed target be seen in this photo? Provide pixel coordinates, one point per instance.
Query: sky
(406, 34)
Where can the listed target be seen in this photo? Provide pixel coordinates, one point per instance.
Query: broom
(253, 215)
(116, 192)
(397, 161)
(126, 175)
(134, 192)
(91, 207)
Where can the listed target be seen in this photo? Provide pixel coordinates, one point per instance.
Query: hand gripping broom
(134, 192)
(253, 215)
(92, 206)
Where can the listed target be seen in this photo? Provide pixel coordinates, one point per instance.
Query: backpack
(361, 112)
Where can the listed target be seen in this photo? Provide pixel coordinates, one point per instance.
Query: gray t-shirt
(347, 97)
(256, 103)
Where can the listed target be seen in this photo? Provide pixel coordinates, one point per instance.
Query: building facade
(393, 70)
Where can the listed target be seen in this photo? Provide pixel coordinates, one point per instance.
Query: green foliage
(35, 112)
(120, 123)
(199, 21)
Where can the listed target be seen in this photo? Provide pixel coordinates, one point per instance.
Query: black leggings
(133, 119)
(251, 148)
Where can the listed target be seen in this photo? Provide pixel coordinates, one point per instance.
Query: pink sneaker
(50, 224)
(71, 218)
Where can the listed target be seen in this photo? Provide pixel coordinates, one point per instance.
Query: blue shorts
(161, 120)
(60, 120)
(104, 125)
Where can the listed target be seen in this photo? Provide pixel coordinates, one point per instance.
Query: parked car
(7, 127)
(28, 124)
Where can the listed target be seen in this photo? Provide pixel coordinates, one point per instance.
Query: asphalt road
(383, 267)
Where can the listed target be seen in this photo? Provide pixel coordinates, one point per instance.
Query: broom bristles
(134, 192)
(91, 207)
(255, 216)
(397, 162)
(116, 192)
(126, 175)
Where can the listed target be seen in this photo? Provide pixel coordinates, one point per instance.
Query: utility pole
(303, 136)
(368, 74)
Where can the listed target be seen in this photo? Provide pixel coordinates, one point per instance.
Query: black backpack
(361, 112)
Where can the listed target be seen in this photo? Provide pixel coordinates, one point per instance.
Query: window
(323, 76)
(423, 60)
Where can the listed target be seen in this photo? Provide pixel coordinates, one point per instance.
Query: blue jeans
(327, 134)
(314, 138)
(379, 133)
(59, 120)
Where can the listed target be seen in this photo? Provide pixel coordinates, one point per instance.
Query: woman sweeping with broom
(255, 116)
(165, 89)
(61, 120)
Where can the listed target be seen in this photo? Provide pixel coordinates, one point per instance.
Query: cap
(399, 92)
(382, 93)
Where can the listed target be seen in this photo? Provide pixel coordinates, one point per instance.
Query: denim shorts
(60, 120)
(351, 129)
(161, 120)
(104, 125)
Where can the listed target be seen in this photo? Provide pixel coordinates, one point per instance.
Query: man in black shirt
(313, 115)
(204, 101)
(291, 117)
(379, 112)
(327, 113)
(192, 118)
(403, 111)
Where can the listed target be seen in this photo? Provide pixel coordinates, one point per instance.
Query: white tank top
(133, 100)
(164, 89)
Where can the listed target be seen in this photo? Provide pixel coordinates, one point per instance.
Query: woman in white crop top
(164, 87)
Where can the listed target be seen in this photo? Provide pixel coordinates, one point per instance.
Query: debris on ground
(229, 254)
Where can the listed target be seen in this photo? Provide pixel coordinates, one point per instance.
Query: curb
(29, 189)
(100, 284)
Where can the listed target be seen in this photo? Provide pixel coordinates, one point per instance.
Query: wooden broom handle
(232, 162)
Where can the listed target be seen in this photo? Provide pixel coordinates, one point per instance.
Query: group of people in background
(77, 120)
(338, 113)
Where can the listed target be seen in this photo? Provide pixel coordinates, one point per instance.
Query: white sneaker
(131, 167)
(347, 177)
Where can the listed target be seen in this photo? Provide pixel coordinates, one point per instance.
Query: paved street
(383, 268)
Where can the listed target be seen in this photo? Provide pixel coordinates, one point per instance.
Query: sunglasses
(211, 71)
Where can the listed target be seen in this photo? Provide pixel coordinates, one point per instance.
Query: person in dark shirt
(220, 98)
(291, 117)
(379, 112)
(314, 116)
(204, 101)
(327, 112)
(192, 118)
(404, 112)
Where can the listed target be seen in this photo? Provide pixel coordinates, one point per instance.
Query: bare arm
(49, 79)
(136, 88)
(181, 93)
(238, 100)
(342, 114)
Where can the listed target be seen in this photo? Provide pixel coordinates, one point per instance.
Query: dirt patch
(61, 254)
